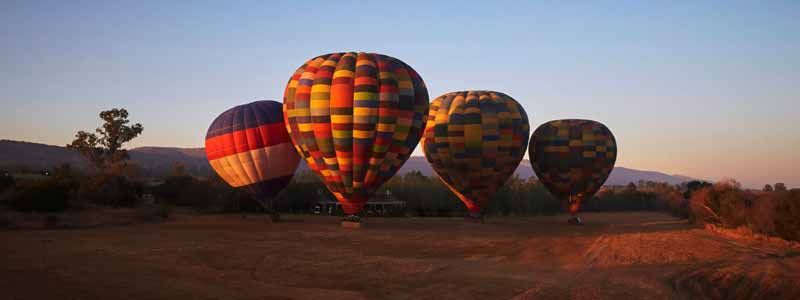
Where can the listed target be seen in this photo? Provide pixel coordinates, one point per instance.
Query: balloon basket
(575, 221)
(351, 221)
(474, 218)
(351, 225)
(275, 217)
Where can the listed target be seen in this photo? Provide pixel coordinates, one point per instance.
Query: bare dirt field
(613, 256)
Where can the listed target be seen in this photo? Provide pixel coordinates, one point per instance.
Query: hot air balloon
(248, 147)
(355, 118)
(475, 140)
(573, 158)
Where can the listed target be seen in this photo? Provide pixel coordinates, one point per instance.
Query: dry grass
(614, 256)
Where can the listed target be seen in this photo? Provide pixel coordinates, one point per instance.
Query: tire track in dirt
(757, 270)
(601, 271)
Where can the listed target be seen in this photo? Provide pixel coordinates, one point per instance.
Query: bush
(700, 212)
(112, 190)
(724, 203)
(6, 182)
(668, 200)
(299, 196)
(523, 197)
(787, 215)
(694, 185)
(187, 191)
(51, 195)
(763, 215)
(424, 196)
(676, 204)
(771, 213)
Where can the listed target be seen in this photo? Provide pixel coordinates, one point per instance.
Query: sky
(709, 90)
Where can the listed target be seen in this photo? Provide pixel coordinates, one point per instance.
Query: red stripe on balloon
(249, 139)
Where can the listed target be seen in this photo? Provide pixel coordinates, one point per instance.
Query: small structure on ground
(380, 205)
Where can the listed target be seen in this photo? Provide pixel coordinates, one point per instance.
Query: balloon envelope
(248, 147)
(355, 118)
(475, 140)
(572, 158)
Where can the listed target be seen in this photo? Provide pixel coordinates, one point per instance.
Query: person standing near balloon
(248, 147)
(355, 118)
(475, 140)
(572, 158)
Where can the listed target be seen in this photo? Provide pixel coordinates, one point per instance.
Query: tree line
(116, 182)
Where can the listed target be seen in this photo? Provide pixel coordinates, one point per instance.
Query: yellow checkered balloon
(475, 140)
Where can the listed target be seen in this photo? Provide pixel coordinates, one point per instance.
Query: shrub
(185, 190)
(51, 195)
(424, 196)
(676, 203)
(787, 215)
(6, 182)
(700, 208)
(734, 207)
(694, 185)
(301, 194)
(763, 214)
(770, 213)
(109, 189)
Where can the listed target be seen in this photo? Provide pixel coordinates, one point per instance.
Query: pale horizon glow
(706, 90)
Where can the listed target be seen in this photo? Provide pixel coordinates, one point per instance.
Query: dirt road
(614, 256)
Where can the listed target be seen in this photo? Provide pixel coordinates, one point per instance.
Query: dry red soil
(613, 256)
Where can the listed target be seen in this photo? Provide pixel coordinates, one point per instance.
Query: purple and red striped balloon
(248, 147)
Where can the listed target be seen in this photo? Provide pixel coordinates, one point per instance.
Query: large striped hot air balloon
(573, 158)
(475, 140)
(355, 118)
(248, 147)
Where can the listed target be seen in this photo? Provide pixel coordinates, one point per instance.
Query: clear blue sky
(704, 89)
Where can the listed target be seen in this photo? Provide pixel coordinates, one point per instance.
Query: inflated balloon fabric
(475, 140)
(248, 147)
(355, 118)
(573, 158)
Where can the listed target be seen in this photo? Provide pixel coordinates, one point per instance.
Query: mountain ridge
(158, 161)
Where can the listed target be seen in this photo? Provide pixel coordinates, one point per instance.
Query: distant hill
(161, 160)
(37, 156)
(158, 161)
(623, 176)
(619, 176)
(155, 160)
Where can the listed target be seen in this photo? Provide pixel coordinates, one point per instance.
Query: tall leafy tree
(103, 148)
(693, 186)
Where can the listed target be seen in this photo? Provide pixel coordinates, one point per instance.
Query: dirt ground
(613, 256)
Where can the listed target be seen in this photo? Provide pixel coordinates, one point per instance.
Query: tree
(767, 188)
(64, 170)
(693, 186)
(780, 187)
(103, 149)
